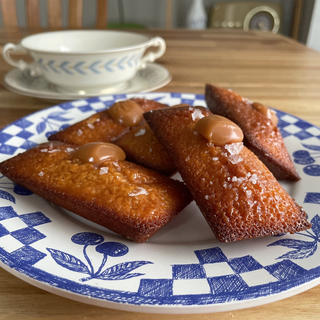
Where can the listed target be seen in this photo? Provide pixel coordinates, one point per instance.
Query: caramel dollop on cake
(219, 130)
(267, 112)
(236, 193)
(127, 113)
(99, 152)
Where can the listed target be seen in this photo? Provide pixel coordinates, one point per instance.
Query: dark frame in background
(301, 19)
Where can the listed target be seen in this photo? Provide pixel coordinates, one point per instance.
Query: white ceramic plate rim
(48, 93)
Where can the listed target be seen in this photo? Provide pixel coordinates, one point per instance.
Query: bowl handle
(20, 64)
(151, 56)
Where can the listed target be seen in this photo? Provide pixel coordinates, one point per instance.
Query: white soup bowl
(84, 60)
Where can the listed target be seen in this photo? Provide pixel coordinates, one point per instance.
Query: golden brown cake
(142, 147)
(261, 136)
(126, 198)
(234, 190)
(138, 141)
(99, 127)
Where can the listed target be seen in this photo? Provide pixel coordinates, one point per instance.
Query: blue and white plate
(183, 268)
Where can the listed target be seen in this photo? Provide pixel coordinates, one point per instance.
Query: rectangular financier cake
(124, 197)
(235, 192)
(261, 135)
(137, 140)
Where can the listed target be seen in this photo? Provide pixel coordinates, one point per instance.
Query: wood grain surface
(263, 67)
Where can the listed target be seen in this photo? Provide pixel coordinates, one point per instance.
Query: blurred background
(297, 19)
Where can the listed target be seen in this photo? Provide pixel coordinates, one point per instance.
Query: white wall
(313, 40)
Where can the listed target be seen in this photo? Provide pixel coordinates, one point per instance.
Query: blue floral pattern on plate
(119, 271)
(180, 269)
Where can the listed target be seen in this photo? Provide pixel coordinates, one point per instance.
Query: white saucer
(153, 77)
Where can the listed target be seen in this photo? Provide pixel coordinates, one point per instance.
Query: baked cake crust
(142, 147)
(236, 193)
(138, 142)
(99, 127)
(260, 135)
(126, 198)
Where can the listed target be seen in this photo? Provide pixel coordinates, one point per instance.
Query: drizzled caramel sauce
(127, 113)
(180, 105)
(219, 130)
(98, 152)
(268, 113)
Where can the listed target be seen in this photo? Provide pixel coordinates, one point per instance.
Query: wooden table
(263, 67)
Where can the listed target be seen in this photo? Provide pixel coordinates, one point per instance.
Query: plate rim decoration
(174, 272)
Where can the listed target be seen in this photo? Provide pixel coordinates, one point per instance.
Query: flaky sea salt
(44, 150)
(150, 149)
(103, 170)
(41, 173)
(235, 159)
(249, 193)
(69, 150)
(90, 125)
(254, 178)
(246, 100)
(138, 192)
(206, 197)
(197, 114)
(234, 148)
(240, 180)
(79, 132)
(215, 158)
(116, 164)
(141, 132)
